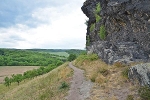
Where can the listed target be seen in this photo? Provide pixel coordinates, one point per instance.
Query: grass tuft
(130, 97)
(144, 92)
(64, 85)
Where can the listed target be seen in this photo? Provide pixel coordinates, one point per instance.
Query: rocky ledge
(118, 30)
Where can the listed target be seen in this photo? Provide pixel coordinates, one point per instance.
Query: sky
(45, 24)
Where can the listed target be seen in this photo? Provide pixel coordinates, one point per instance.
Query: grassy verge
(51, 86)
(111, 81)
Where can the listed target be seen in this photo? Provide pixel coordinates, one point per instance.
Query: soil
(80, 88)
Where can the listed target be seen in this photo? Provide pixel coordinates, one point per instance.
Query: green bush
(92, 27)
(102, 32)
(72, 57)
(64, 85)
(144, 92)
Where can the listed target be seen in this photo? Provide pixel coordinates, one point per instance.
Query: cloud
(55, 25)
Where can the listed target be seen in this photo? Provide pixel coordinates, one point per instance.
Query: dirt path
(80, 88)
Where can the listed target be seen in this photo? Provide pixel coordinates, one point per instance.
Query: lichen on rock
(127, 26)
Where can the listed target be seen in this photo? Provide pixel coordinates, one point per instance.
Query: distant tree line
(77, 52)
(15, 57)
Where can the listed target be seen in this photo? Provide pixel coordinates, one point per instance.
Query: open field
(60, 53)
(9, 70)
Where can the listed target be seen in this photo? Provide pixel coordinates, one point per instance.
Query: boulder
(140, 73)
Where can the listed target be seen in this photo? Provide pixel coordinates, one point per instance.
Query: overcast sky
(57, 24)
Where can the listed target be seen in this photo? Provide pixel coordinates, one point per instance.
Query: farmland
(10, 70)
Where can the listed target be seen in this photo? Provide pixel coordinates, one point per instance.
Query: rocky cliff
(118, 30)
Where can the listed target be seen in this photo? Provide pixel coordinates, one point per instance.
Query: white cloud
(60, 27)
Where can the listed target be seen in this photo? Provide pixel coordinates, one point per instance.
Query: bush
(102, 32)
(144, 92)
(92, 27)
(90, 57)
(72, 57)
(64, 85)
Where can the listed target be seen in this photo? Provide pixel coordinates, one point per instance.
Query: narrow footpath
(80, 88)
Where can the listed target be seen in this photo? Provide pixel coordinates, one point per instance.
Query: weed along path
(80, 88)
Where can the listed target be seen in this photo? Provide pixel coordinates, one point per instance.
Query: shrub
(92, 27)
(7, 82)
(89, 57)
(144, 92)
(102, 32)
(72, 57)
(64, 85)
(130, 97)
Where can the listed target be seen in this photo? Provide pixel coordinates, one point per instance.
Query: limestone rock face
(141, 73)
(127, 26)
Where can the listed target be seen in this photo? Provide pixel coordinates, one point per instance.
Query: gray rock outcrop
(141, 73)
(127, 26)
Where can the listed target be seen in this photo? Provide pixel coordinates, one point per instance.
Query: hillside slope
(51, 86)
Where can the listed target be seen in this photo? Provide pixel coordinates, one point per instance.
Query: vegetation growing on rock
(97, 12)
(102, 32)
(92, 27)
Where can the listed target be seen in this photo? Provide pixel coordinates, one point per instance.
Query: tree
(18, 78)
(7, 81)
(72, 57)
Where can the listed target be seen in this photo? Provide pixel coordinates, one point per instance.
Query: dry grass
(110, 82)
(9, 70)
(45, 87)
